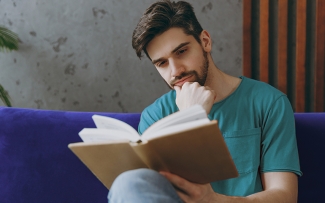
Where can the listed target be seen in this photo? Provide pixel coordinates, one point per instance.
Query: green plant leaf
(8, 40)
(4, 96)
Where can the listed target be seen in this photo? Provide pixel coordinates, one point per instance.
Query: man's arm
(278, 187)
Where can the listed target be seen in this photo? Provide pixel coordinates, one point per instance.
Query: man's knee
(141, 172)
(134, 181)
(137, 176)
(142, 185)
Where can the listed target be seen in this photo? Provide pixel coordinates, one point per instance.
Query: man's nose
(176, 68)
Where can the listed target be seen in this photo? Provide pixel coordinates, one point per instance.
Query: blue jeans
(143, 186)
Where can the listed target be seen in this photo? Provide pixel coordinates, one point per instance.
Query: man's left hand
(190, 192)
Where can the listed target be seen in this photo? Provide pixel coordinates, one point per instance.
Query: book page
(175, 129)
(192, 113)
(91, 135)
(112, 123)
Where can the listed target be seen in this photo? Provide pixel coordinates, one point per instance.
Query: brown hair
(160, 17)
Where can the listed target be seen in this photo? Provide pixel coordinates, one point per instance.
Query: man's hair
(160, 17)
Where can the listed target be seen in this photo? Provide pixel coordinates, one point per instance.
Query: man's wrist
(216, 198)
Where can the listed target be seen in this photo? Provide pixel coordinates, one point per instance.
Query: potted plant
(8, 42)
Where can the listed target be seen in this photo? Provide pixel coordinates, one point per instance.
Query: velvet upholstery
(35, 162)
(310, 130)
(36, 165)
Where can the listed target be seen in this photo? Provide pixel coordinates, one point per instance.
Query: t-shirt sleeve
(146, 120)
(279, 150)
(162, 107)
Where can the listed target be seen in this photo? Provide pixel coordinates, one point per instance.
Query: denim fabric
(142, 186)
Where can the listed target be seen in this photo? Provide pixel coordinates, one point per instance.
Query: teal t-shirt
(257, 123)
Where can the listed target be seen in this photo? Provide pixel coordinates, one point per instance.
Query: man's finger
(183, 196)
(215, 96)
(179, 182)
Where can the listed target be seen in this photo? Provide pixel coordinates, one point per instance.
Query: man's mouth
(183, 80)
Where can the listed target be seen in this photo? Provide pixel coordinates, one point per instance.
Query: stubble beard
(199, 77)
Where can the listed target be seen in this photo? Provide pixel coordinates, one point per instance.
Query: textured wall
(77, 55)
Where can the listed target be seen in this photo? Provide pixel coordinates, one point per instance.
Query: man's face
(179, 58)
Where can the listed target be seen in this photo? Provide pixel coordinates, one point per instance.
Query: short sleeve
(146, 120)
(162, 107)
(279, 150)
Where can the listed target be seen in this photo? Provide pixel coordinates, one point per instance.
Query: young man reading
(256, 119)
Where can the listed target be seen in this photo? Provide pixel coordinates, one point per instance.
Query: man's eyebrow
(180, 46)
(173, 51)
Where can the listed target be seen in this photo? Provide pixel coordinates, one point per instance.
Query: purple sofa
(36, 165)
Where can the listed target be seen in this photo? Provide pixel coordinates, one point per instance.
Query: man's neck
(222, 83)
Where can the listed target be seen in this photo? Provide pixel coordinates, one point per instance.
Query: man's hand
(193, 93)
(278, 187)
(190, 192)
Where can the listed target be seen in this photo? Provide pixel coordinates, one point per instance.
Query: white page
(176, 129)
(192, 113)
(100, 134)
(112, 123)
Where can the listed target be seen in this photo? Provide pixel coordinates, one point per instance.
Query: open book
(185, 143)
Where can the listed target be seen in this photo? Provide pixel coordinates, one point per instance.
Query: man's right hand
(192, 93)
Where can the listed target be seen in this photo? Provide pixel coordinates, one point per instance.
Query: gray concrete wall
(77, 54)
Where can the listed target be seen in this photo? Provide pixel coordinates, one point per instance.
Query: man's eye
(181, 51)
(161, 63)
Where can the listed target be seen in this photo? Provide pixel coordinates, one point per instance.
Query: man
(256, 119)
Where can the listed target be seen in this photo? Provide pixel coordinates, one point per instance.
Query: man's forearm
(278, 187)
(269, 196)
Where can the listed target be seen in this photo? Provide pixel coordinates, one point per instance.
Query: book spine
(148, 155)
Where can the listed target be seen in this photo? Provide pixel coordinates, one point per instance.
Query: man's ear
(206, 41)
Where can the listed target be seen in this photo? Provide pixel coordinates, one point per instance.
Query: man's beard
(200, 78)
